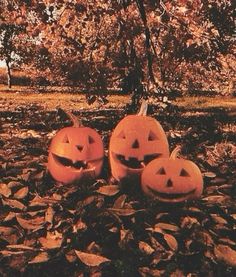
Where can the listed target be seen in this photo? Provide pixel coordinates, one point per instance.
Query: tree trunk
(9, 76)
(142, 12)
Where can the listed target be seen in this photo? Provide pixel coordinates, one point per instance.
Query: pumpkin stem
(175, 152)
(143, 108)
(76, 122)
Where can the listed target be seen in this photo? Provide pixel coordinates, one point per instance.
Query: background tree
(97, 45)
(8, 47)
(16, 46)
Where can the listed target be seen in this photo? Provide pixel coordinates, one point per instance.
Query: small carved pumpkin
(171, 179)
(136, 140)
(75, 152)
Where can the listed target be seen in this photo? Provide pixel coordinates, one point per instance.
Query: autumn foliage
(98, 45)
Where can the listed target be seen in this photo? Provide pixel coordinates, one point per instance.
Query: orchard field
(98, 60)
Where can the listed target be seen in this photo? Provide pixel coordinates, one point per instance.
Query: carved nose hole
(169, 183)
(135, 144)
(80, 147)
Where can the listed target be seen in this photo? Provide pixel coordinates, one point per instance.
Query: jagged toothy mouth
(78, 165)
(170, 196)
(135, 163)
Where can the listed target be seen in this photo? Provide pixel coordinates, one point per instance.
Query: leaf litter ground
(100, 228)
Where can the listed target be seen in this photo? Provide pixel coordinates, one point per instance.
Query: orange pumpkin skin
(74, 153)
(172, 180)
(136, 140)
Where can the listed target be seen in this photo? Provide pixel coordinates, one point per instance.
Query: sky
(2, 64)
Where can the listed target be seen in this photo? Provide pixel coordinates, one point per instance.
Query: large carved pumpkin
(75, 152)
(172, 179)
(136, 140)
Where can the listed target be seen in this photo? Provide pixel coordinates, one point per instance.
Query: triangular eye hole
(91, 140)
(152, 136)
(80, 147)
(184, 173)
(65, 139)
(135, 144)
(161, 171)
(122, 135)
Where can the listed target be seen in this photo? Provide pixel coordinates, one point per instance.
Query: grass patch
(71, 98)
(202, 102)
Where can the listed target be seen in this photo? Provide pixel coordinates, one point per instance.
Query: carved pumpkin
(171, 179)
(75, 152)
(135, 141)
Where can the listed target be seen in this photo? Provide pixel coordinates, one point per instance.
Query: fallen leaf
(109, 190)
(120, 201)
(57, 196)
(159, 215)
(71, 256)
(145, 248)
(91, 259)
(49, 214)
(11, 235)
(218, 219)
(216, 198)
(40, 258)
(5, 190)
(20, 246)
(38, 176)
(25, 176)
(233, 216)
(6, 230)
(52, 240)
(126, 234)
(89, 200)
(37, 213)
(209, 174)
(146, 271)
(218, 181)
(31, 224)
(21, 193)
(14, 204)
(48, 243)
(79, 226)
(227, 241)
(188, 222)
(155, 244)
(171, 241)
(42, 201)
(14, 184)
(10, 253)
(155, 230)
(167, 226)
(10, 216)
(226, 254)
(207, 239)
(123, 212)
(93, 247)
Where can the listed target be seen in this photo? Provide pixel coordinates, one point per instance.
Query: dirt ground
(101, 227)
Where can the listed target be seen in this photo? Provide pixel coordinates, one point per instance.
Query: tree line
(127, 44)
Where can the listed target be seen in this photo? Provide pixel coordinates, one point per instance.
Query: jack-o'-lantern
(75, 152)
(135, 141)
(172, 179)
